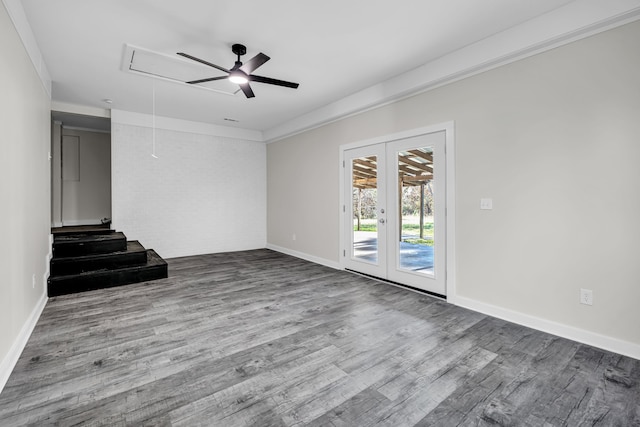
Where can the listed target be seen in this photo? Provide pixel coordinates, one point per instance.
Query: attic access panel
(152, 64)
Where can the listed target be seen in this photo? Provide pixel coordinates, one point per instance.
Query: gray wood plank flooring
(265, 339)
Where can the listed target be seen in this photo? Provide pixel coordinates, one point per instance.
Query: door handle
(381, 220)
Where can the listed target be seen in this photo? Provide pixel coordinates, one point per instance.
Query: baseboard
(565, 331)
(305, 256)
(10, 360)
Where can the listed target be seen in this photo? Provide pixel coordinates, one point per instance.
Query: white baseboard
(56, 224)
(10, 360)
(565, 331)
(305, 256)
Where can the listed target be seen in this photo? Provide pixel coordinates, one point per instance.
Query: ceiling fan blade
(210, 79)
(271, 81)
(254, 63)
(202, 61)
(247, 90)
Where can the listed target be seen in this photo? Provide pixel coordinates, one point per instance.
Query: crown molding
(82, 110)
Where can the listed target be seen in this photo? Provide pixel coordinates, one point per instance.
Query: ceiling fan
(241, 73)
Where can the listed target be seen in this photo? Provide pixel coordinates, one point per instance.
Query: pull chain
(153, 124)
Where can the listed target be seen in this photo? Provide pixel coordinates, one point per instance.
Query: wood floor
(260, 338)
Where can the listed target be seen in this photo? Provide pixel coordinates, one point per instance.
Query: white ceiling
(333, 48)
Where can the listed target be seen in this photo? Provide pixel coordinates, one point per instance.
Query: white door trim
(449, 129)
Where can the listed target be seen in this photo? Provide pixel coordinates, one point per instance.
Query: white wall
(553, 139)
(25, 195)
(202, 194)
(87, 199)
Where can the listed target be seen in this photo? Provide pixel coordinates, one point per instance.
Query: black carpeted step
(154, 268)
(135, 254)
(81, 229)
(88, 244)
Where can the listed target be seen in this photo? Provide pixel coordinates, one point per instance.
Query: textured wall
(203, 194)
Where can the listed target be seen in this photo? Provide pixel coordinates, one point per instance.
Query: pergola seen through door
(415, 169)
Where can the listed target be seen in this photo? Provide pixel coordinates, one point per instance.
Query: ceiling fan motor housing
(239, 49)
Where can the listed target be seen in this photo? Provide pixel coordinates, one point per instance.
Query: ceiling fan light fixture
(238, 77)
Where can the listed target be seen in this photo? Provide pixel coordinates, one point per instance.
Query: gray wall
(25, 194)
(553, 139)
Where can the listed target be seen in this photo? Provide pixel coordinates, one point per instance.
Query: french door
(394, 211)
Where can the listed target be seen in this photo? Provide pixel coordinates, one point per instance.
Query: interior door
(394, 211)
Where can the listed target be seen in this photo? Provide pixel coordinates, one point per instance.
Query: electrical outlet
(586, 296)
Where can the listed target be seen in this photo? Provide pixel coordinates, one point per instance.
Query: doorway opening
(80, 170)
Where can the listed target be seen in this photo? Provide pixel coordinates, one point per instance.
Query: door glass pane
(364, 188)
(415, 235)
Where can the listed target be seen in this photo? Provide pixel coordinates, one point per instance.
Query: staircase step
(135, 254)
(88, 244)
(155, 268)
(82, 229)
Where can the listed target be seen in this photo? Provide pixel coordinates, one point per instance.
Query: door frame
(450, 185)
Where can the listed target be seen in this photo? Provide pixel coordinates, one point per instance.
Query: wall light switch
(486, 204)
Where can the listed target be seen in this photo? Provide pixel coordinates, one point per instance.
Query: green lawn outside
(410, 228)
